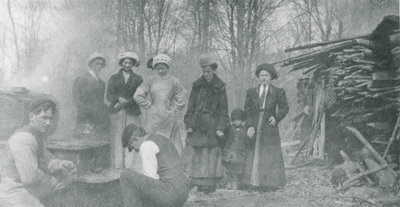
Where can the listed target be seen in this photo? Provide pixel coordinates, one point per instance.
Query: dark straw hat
(269, 68)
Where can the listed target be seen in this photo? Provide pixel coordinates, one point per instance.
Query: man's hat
(96, 55)
(36, 102)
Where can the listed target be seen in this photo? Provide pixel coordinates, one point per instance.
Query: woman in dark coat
(120, 90)
(268, 171)
(206, 119)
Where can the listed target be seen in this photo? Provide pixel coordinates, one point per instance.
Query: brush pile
(355, 83)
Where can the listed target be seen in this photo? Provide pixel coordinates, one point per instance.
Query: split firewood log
(344, 171)
(385, 177)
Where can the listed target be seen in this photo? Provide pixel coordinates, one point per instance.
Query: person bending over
(163, 182)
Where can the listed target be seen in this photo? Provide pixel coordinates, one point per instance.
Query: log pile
(357, 83)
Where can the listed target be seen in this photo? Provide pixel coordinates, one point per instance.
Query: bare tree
(34, 12)
(239, 33)
(14, 30)
(322, 17)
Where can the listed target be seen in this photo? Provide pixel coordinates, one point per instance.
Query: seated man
(164, 182)
(30, 172)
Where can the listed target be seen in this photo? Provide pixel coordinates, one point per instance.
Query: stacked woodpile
(353, 89)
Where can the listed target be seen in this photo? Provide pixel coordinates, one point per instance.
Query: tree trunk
(205, 27)
(15, 36)
(140, 13)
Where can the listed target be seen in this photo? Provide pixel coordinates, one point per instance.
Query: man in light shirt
(30, 172)
(163, 181)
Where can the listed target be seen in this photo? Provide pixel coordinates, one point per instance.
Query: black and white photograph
(199, 103)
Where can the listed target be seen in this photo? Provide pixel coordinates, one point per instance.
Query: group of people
(245, 146)
(128, 96)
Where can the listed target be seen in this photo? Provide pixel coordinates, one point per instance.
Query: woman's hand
(272, 121)
(251, 132)
(307, 109)
(219, 133)
(122, 100)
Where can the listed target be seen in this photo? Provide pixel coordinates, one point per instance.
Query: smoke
(70, 40)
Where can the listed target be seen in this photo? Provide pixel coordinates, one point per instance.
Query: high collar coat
(207, 112)
(271, 169)
(118, 88)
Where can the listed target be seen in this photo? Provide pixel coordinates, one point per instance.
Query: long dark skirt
(206, 166)
(271, 166)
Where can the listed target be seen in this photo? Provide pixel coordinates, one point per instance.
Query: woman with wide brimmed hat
(88, 95)
(120, 90)
(206, 120)
(167, 96)
(266, 169)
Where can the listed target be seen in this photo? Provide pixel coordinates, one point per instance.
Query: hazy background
(45, 43)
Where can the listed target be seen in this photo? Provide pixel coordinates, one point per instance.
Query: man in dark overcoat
(88, 95)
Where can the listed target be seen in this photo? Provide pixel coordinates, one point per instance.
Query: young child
(234, 153)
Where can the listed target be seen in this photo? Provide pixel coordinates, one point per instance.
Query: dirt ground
(307, 186)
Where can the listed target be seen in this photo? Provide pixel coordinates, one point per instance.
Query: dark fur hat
(269, 68)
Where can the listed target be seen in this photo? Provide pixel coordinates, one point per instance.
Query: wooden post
(323, 138)
(318, 112)
(319, 144)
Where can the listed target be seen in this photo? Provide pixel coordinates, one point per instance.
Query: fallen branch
(393, 137)
(350, 182)
(299, 125)
(368, 146)
(303, 143)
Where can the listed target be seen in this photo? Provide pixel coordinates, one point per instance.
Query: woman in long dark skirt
(206, 120)
(265, 170)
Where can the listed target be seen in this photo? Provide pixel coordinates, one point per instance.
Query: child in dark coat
(234, 153)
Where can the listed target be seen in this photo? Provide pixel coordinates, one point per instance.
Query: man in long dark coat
(88, 95)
